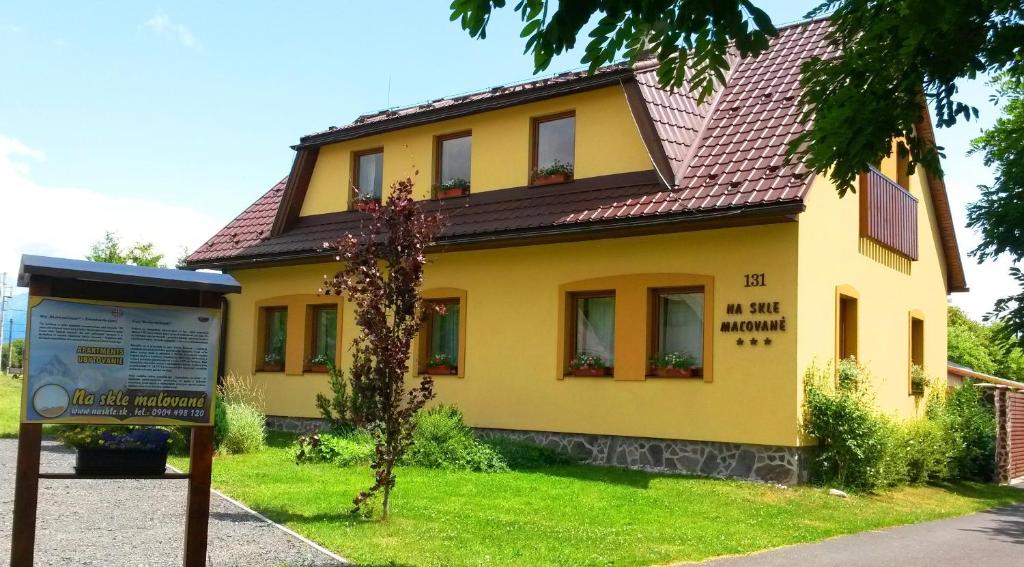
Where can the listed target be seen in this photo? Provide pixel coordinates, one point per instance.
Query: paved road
(137, 523)
(992, 538)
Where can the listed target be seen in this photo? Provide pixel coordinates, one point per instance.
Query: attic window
(554, 143)
(453, 158)
(368, 173)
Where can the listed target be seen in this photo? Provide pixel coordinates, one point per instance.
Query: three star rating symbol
(753, 341)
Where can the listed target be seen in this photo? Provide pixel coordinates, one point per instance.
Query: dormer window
(554, 149)
(367, 177)
(452, 165)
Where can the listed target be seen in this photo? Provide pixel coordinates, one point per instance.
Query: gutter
(963, 372)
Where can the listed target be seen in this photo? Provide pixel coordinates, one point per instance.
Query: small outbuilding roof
(68, 268)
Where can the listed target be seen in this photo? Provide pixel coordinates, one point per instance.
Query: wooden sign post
(150, 340)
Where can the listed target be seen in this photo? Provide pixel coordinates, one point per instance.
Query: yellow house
(629, 275)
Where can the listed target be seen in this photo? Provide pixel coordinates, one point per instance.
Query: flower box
(589, 371)
(104, 461)
(442, 369)
(318, 367)
(365, 205)
(449, 192)
(672, 372)
(273, 367)
(552, 179)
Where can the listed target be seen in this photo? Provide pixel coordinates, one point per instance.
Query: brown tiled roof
(614, 201)
(248, 229)
(723, 157)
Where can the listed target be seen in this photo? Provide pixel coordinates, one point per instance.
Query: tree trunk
(385, 502)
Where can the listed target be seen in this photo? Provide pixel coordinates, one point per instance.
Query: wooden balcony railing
(888, 213)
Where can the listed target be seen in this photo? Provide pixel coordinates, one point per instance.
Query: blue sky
(162, 121)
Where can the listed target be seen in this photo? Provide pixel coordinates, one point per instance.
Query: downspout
(222, 355)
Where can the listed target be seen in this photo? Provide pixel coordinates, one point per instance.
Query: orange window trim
(633, 330)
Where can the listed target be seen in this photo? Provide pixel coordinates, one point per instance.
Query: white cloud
(65, 221)
(162, 24)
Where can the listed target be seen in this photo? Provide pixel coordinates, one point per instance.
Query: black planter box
(120, 462)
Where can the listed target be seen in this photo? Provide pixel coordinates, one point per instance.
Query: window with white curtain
(679, 322)
(594, 325)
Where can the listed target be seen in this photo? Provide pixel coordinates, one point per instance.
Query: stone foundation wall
(766, 463)
(295, 424)
(781, 465)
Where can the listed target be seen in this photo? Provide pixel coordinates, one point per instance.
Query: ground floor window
(324, 336)
(440, 342)
(847, 327)
(677, 331)
(592, 329)
(917, 376)
(275, 336)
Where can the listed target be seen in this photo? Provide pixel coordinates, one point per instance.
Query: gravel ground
(137, 523)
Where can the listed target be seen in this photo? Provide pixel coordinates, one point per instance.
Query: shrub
(238, 389)
(342, 449)
(247, 428)
(220, 422)
(442, 440)
(852, 438)
(927, 450)
(970, 426)
(519, 454)
(861, 449)
(343, 410)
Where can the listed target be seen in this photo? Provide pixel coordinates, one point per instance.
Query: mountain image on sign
(54, 368)
(50, 400)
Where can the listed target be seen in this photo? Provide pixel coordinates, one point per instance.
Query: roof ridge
(695, 146)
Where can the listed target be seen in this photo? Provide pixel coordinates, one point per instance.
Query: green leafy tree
(983, 347)
(110, 250)
(893, 56)
(999, 214)
(15, 361)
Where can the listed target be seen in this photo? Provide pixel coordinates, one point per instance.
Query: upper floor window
(453, 164)
(554, 149)
(592, 333)
(677, 332)
(275, 336)
(324, 337)
(368, 175)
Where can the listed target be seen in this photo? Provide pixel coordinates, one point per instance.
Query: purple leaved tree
(381, 275)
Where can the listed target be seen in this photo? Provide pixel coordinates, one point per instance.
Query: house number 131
(754, 280)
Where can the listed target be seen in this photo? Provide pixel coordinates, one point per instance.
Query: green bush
(927, 450)
(861, 449)
(970, 427)
(247, 428)
(220, 422)
(342, 449)
(519, 454)
(853, 440)
(442, 440)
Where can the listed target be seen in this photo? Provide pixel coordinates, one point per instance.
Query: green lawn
(10, 406)
(571, 515)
